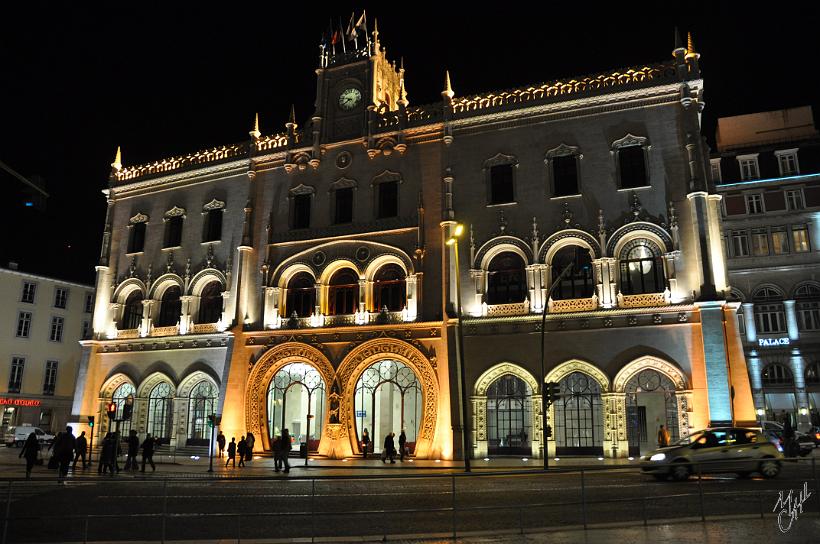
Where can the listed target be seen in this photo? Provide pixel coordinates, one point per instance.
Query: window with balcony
(170, 307)
(390, 289)
(578, 283)
(210, 303)
(301, 295)
(768, 309)
(641, 268)
(343, 293)
(132, 313)
(506, 279)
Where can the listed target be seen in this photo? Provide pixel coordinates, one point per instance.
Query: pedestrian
(251, 440)
(277, 453)
(663, 437)
(242, 451)
(790, 447)
(133, 450)
(388, 452)
(220, 440)
(285, 448)
(63, 449)
(105, 454)
(31, 451)
(402, 442)
(365, 443)
(148, 452)
(232, 452)
(80, 450)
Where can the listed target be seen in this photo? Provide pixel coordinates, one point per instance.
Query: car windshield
(689, 439)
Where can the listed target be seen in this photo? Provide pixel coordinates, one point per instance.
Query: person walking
(250, 441)
(242, 451)
(63, 449)
(133, 451)
(365, 443)
(220, 440)
(402, 442)
(80, 449)
(389, 450)
(148, 452)
(31, 451)
(663, 437)
(285, 448)
(232, 452)
(277, 453)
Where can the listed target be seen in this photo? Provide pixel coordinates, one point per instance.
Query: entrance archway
(296, 401)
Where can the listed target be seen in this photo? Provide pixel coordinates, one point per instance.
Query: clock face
(350, 98)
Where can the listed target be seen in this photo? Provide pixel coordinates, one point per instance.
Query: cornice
(196, 175)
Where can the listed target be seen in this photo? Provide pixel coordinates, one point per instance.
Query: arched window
(506, 279)
(389, 289)
(301, 295)
(202, 404)
(210, 303)
(159, 412)
(132, 314)
(120, 397)
(170, 307)
(641, 269)
(808, 306)
(578, 283)
(768, 307)
(343, 292)
(813, 373)
(578, 425)
(296, 401)
(777, 374)
(509, 416)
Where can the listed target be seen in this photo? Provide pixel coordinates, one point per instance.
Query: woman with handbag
(31, 451)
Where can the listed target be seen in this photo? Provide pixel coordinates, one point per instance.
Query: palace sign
(772, 342)
(19, 402)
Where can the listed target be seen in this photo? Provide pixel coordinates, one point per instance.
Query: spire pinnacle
(255, 132)
(375, 35)
(448, 88)
(402, 93)
(117, 164)
(292, 119)
(690, 47)
(678, 42)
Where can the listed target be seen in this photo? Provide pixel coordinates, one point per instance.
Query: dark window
(173, 231)
(388, 199)
(578, 282)
(213, 226)
(641, 271)
(769, 311)
(29, 289)
(565, 175)
(23, 324)
(343, 205)
(210, 303)
(301, 295)
(89, 303)
(57, 324)
(343, 293)
(60, 297)
(509, 416)
(506, 279)
(132, 316)
(301, 211)
(50, 381)
(390, 289)
(777, 374)
(136, 238)
(16, 375)
(170, 307)
(501, 184)
(813, 373)
(632, 165)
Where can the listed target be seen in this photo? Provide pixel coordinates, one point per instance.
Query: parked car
(723, 449)
(814, 434)
(16, 436)
(804, 443)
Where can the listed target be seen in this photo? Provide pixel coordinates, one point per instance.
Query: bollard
(700, 491)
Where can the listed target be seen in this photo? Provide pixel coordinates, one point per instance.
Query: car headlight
(658, 457)
(779, 448)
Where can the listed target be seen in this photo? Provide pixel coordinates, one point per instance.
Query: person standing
(31, 451)
(365, 443)
(80, 450)
(388, 451)
(148, 452)
(105, 455)
(285, 448)
(663, 437)
(64, 451)
(232, 452)
(250, 441)
(133, 451)
(220, 440)
(402, 442)
(277, 453)
(242, 451)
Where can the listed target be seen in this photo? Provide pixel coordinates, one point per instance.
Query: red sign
(19, 402)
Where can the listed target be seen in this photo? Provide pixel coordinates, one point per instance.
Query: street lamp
(465, 427)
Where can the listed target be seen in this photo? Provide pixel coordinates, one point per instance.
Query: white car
(16, 436)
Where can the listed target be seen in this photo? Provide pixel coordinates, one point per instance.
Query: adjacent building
(42, 321)
(767, 168)
(302, 279)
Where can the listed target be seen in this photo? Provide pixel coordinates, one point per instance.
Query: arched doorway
(578, 418)
(160, 412)
(120, 397)
(651, 401)
(296, 401)
(202, 403)
(509, 416)
(388, 399)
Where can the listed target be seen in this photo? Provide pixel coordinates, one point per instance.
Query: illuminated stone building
(767, 168)
(302, 280)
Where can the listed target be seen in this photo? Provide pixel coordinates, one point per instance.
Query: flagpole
(342, 34)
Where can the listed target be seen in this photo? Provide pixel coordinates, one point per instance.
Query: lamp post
(465, 427)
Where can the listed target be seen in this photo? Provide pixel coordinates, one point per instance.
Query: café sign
(772, 342)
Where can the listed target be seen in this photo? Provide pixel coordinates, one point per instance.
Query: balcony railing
(646, 300)
(515, 308)
(573, 305)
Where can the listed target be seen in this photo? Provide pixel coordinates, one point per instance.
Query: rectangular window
(343, 205)
(748, 168)
(29, 289)
(632, 166)
(770, 318)
(136, 238)
(565, 175)
(794, 199)
(741, 323)
(50, 379)
(800, 238)
(788, 162)
(740, 243)
(780, 241)
(86, 329)
(16, 374)
(213, 226)
(60, 297)
(760, 242)
(388, 203)
(89, 303)
(173, 231)
(56, 329)
(754, 204)
(23, 324)
(715, 168)
(301, 211)
(501, 184)
(809, 314)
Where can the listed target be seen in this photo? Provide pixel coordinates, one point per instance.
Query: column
(716, 362)
(798, 367)
(480, 442)
(365, 288)
(699, 207)
(185, 320)
(757, 381)
(749, 322)
(272, 313)
(791, 320)
(320, 300)
(147, 317)
(115, 314)
(615, 440)
(474, 305)
(102, 312)
(537, 432)
(411, 283)
(671, 275)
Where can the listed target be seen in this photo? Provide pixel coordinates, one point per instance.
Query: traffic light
(112, 410)
(552, 392)
(91, 421)
(548, 432)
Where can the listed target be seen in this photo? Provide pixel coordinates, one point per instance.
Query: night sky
(77, 81)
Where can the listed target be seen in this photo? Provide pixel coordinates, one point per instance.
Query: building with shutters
(767, 168)
(301, 279)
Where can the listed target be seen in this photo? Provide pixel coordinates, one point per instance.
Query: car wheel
(19, 443)
(769, 468)
(680, 473)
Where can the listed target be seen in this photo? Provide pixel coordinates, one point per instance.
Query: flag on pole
(350, 33)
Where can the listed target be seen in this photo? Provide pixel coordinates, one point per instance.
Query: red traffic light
(112, 410)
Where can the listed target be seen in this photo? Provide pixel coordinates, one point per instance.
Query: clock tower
(353, 80)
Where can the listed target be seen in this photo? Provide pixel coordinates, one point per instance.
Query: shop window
(506, 279)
